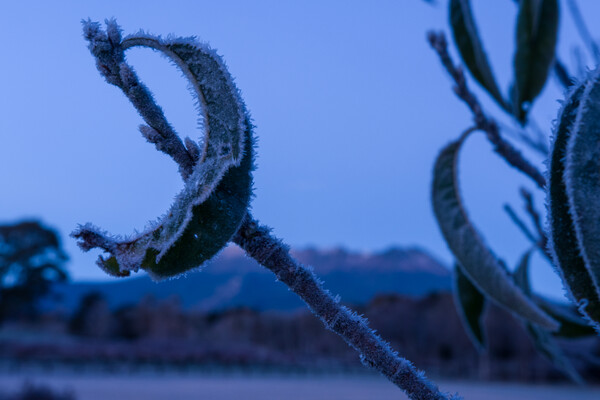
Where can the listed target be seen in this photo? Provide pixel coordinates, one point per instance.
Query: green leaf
(210, 209)
(562, 238)
(480, 265)
(537, 29)
(471, 49)
(470, 303)
(542, 339)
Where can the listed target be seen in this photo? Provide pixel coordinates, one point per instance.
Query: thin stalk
(520, 224)
(258, 242)
(562, 74)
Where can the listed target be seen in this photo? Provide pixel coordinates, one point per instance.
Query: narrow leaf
(480, 265)
(562, 238)
(542, 339)
(209, 210)
(545, 345)
(470, 303)
(537, 28)
(471, 49)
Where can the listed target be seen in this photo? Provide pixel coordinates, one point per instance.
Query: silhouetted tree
(93, 318)
(31, 259)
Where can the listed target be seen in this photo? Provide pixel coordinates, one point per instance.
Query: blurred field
(150, 386)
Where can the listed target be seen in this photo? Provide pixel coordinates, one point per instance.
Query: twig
(511, 155)
(537, 144)
(562, 74)
(583, 30)
(541, 242)
(535, 217)
(258, 243)
(542, 137)
(520, 224)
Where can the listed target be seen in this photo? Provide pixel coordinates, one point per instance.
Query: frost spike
(479, 264)
(470, 304)
(471, 49)
(562, 238)
(210, 209)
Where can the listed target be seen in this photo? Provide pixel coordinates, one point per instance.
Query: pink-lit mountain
(234, 280)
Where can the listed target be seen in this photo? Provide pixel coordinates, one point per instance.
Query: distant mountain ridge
(234, 280)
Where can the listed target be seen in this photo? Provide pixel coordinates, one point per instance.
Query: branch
(541, 137)
(562, 74)
(520, 224)
(535, 218)
(541, 242)
(258, 243)
(537, 144)
(502, 147)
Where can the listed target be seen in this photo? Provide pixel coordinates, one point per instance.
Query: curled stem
(109, 52)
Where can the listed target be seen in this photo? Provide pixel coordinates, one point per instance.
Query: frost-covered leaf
(542, 339)
(470, 47)
(209, 210)
(480, 265)
(562, 238)
(470, 303)
(582, 177)
(537, 29)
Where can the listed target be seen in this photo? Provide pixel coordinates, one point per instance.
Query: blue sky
(351, 108)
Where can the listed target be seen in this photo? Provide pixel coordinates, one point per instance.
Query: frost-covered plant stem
(212, 209)
(439, 43)
(258, 242)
